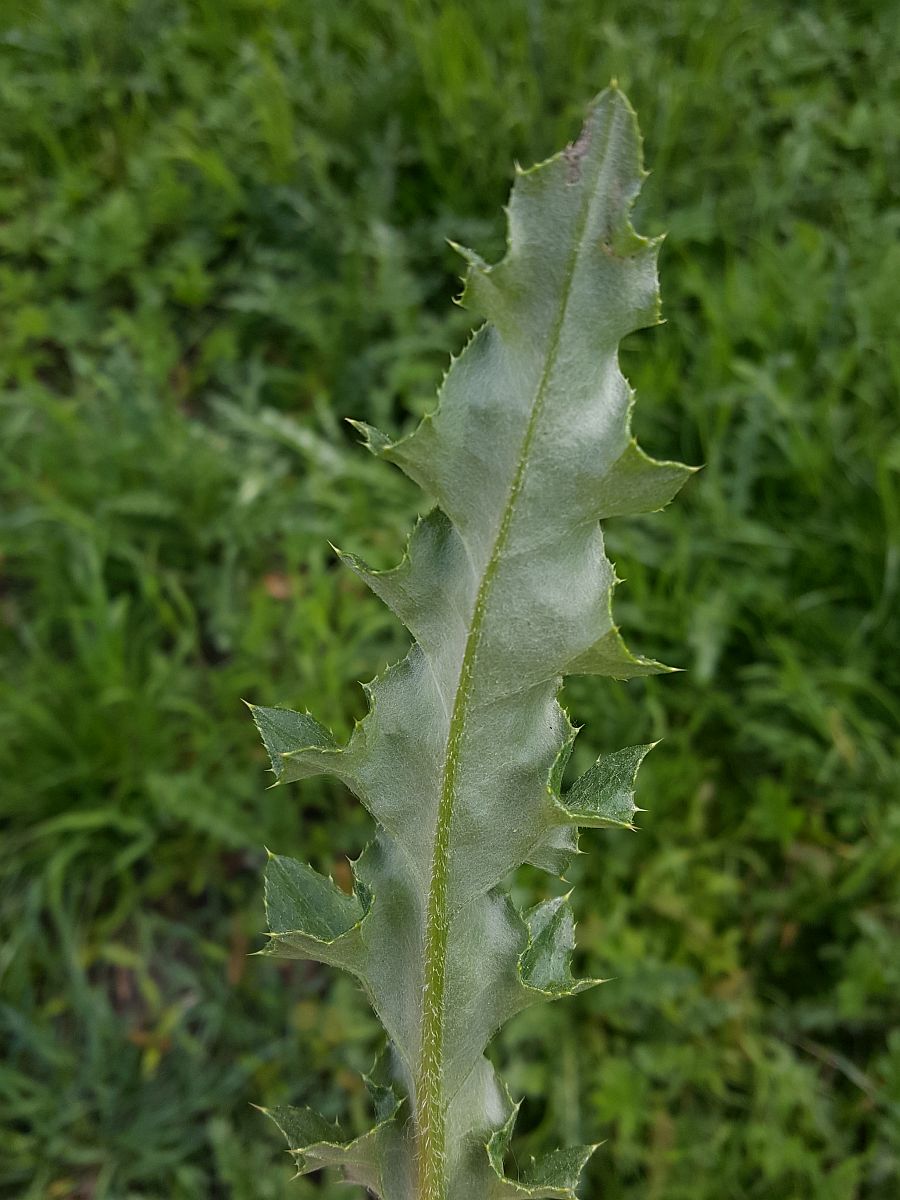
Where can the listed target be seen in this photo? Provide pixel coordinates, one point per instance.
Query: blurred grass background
(222, 230)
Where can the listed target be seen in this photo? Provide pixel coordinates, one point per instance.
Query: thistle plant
(505, 589)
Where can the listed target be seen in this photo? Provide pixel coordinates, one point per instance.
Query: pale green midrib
(429, 1089)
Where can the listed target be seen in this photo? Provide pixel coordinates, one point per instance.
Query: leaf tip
(373, 439)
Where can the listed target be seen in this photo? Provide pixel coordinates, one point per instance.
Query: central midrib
(429, 1082)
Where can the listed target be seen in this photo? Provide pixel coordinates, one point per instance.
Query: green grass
(222, 230)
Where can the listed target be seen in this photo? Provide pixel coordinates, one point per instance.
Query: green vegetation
(221, 232)
(461, 756)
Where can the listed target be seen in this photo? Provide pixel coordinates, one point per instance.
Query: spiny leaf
(545, 964)
(310, 917)
(554, 1176)
(604, 794)
(315, 1143)
(297, 744)
(506, 588)
(640, 484)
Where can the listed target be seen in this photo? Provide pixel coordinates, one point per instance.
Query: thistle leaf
(310, 917)
(505, 588)
(315, 1143)
(544, 966)
(297, 744)
(604, 794)
(554, 1176)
